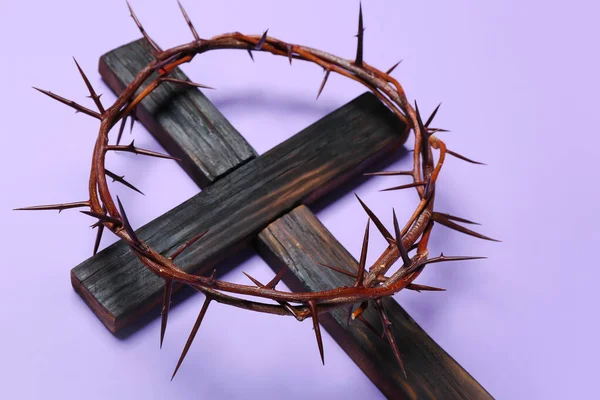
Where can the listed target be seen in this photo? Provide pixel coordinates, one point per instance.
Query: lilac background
(519, 85)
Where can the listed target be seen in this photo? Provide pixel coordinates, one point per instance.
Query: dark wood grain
(239, 205)
(299, 241)
(180, 117)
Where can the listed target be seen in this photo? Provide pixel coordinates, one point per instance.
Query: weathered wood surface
(239, 205)
(299, 241)
(180, 117)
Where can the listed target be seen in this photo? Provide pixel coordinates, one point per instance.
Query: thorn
(323, 83)
(389, 71)
(133, 118)
(142, 30)
(122, 181)
(454, 218)
(360, 35)
(443, 258)
(425, 288)
(187, 244)
(250, 54)
(388, 173)
(126, 224)
(273, 282)
(363, 257)
(432, 116)
(424, 136)
(189, 22)
(401, 248)
(136, 150)
(121, 129)
(440, 218)
(289, 53)
(407, 186)
(390, 335)
(366, 323)
(257, 283)
(192, 334)
(386, 234)
(313, 310)
(341, 271)
(71, 104)
(93, 94)
(59, 207)
(189, 83)
(102, 217)
(464, 158)
(98, 238)
(164, 313)
(262, 41)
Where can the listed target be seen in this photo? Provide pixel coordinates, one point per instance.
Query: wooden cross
(262, 200)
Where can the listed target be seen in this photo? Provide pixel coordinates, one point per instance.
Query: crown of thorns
(372, 284)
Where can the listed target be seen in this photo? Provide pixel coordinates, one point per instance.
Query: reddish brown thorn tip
(93, 94)
(389, 71)
(250, 54)
(390, 336)
(313, 311)
(388, 173)
(363, 257)
(360, 36)
(443, 258)
(424, 136)
(98, 238)
(255, 281)
(366, 323)
(187, 244)
(102, 217)
(441, 219)
(142, 30)
(262, 41)
(121, 129)
(454, 218)
(323, 83)
(117, 178)
(424, 288)
(126, 223)
(164, 313)
(70, 103)
(59, 207)
(189, 83)
(407, 186)
(130, 148)
(464, 158)
(189, 22)
(276, 279)
(341, 271)
(386, 234)
(401, 248)
(432, 116)
(290, 53)
(192, 334)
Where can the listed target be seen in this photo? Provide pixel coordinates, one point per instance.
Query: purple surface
(519, 86)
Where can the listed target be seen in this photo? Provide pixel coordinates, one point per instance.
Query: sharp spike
(256, 282)
(289, 53)
(313, 311)
(360, 36)
(464, 158)
(122, 181)
(121, 129)
(407, 186)
(136, 150)
(126, 223)
(70, 103)
(453, 225)
(425, 288)
(432, 116)
(189, 83)
(250, 54)
(102, 217)
(193, 334)
(388, 173)
(164, 313)
(187, 244)
(455, 218)
(262, 41)
(323, 83)
(389, 71)
(363, 257)
(273, 282)
(93, 94)
(142, 30)
(401, 248)
(443, 258)
(59, 207)
(386, 234)
(98, 238)
(424, 136)
(341, 271)
(390, 335)
(189, 22)
(366, 323)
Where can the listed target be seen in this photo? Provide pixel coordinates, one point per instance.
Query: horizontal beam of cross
(433, 372)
